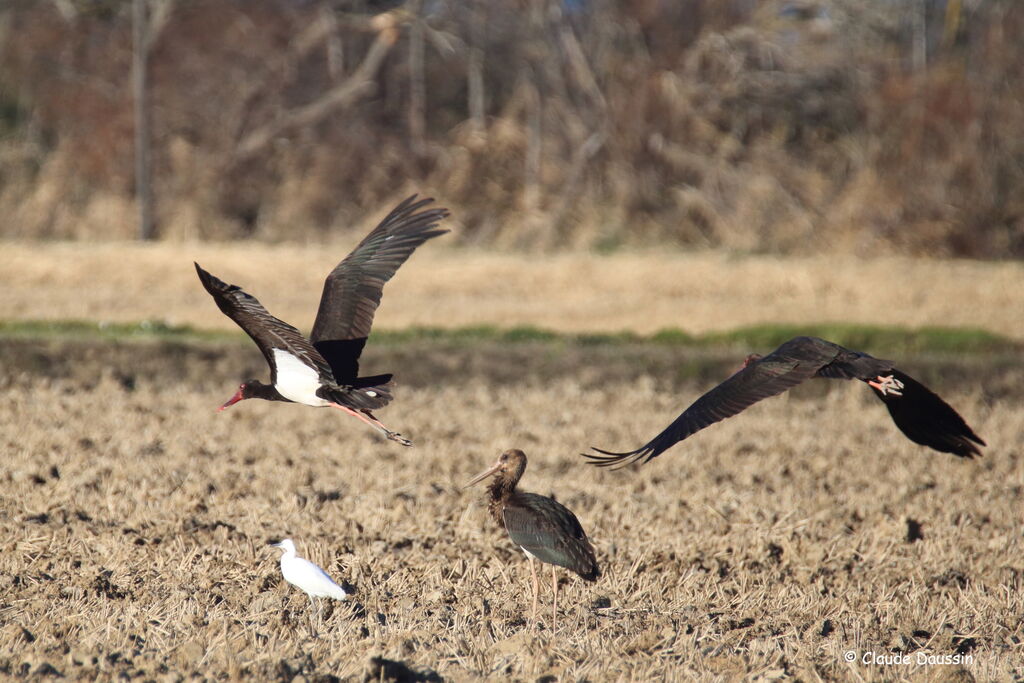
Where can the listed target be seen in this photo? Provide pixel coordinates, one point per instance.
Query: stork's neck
(499, 491)
(257, 389)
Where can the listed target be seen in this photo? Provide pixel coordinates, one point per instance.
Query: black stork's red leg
(536, 588)
(373, 422)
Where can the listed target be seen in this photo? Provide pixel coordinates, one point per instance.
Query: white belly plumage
(530, 555)
(296, 381)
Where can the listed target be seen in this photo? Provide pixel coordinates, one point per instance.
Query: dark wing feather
(353, 289)
(928, 420)
(267, 331)
(775, 373)
(550, 532)
(849, 364)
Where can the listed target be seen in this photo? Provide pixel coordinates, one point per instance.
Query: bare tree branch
(335, 53)
(66, 9)
(355, 86)
(475, 68)
(583, 154)
(141, 41)
(159, 14)
(534, 137)
(581, 69)
(417, 88)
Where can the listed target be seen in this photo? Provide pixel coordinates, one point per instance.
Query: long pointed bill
(232, 401)
(483, 475)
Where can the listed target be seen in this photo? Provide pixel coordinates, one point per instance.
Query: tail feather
(591, 574)
(927, 419)
(365, 397)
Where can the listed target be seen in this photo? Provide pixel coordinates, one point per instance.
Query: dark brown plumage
(324, 369)
(545, 529)
(919, 413)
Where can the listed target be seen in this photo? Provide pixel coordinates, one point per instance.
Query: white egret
(306, 576)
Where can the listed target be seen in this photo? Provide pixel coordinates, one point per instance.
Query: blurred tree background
(861, 126)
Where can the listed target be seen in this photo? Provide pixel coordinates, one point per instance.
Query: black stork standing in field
(542, 527)
(323, 370)
(919, 413)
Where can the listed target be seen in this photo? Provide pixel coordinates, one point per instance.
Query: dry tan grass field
(135, 518)
(575, 292)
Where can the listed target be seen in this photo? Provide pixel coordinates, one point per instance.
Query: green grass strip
(87, 329)
(761, 338)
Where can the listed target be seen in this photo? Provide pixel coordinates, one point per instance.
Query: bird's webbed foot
(395, 436)
(888, 385)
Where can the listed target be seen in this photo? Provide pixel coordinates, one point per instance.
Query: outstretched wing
(268, 332)
(928, 420)
(773, 374)
(353, 289)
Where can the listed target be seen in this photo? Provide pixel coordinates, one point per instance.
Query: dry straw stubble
(137, 522)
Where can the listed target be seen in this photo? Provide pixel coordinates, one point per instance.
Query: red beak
(232, 401)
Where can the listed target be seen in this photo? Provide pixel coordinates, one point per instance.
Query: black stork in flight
(542, 527)
(919, 413)
(324, 369)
